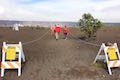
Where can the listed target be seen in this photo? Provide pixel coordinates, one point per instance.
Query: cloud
(1, 10)
(110, 14)
(105, 4)
(59, 10)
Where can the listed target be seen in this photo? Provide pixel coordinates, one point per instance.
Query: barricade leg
(109, 71)
(2, 72)
(19, 71)
(23, 56)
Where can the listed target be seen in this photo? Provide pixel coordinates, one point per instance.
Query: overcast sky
(59, 10)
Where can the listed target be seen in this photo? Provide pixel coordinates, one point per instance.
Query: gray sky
(59, 10)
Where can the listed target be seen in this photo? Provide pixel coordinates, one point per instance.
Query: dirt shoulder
(48, 59)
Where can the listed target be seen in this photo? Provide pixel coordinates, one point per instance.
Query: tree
(89, 25)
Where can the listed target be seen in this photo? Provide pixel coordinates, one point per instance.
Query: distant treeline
(112, 24)
(8, 23)
(36, 23)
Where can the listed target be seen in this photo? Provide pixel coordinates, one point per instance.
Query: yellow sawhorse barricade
(111, 56)
(12, 55)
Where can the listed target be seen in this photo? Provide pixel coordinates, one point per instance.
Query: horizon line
(51, 21)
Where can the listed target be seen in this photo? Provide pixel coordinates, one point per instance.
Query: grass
(99, 64)
(112, 27)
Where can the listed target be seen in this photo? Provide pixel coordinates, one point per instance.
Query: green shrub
(89, 25)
